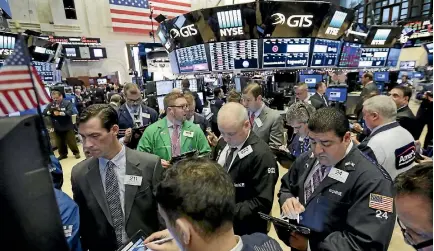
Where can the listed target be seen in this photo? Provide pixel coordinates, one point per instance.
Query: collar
(116, 159)
(402, 107)
(258, 112)
(370, 82)
(242, 144)
(239, 245)
(321, 95)
(378, 127)
(191, 119)
(306, 100)
(114, 103)
(131, 111)
(170, 124)
(349, 147)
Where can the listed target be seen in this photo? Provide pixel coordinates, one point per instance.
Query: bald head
(233, 123)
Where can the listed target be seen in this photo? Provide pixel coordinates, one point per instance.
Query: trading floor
(397, 243)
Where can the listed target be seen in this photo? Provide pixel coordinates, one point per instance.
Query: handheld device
(284, 224)
(183, 156)
(135, 243)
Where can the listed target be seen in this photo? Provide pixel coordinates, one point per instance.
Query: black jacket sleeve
(370, 229)
(265, 174)
(68, 109)
(290, 180)
(199, 105)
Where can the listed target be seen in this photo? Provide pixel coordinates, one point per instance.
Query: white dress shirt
(239, 245)
(222, 158)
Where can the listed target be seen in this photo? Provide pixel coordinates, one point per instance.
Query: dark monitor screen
(286, 52)
(234, 55)
(392, 59)
(311, 80)
(192, 59)
(381, 76)
(382, 36)
(337, 94)
(350, 55)
(373, 57)
(325, 53)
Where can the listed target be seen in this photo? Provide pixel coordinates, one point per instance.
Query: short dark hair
(56, 92)
(418, 180)
(405, 90)
(253, 88)
(318, 85)
(185, 83)
(200, 190)
(233, 96)
(368, 75)
(217, 91)
(106, 113)
(329, 119)
(131, 88)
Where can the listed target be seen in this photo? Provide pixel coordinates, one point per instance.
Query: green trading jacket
(156, 139)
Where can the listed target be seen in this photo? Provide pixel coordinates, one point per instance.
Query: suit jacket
(60, 123)
(201, 121)
(366, 91)
(149, 116)
(156, 139)
(271, 130)
(317, 101)
(254, 176)
(406, 119)
(96, 226)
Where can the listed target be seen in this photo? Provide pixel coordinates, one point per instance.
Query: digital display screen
(192, 59)
(311, 80)
(45, 70)
(373, 57)
(234, 55)
(350, 55)
(286, 52)
(419, 75)
(381, 76)
(193, 84)
(164, 87)
(409, 74)
(429, 48)
(407, 65)
(337, 94)
(392, 59)
(98, 53)
(325, 53)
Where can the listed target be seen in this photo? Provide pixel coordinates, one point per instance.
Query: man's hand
(167, 246)
(354, 138)
(284, 148)
(292, 207)
(298, 241)
(128, 134)
(212, 139)
(357, 127)
(56, 113)
(165, 163)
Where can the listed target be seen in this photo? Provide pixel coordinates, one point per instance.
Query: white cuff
(62, 114)
(308, 246)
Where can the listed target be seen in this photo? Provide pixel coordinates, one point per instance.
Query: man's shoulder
(154, 126)
(81, 168)
(259, 241)
(142, 155)
(365, 166)
(274, 113)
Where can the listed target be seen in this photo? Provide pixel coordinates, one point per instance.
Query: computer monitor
(160, 101)
(164, 87)
(381, 76)
(337, 94)
(200, 94)
(311, 80)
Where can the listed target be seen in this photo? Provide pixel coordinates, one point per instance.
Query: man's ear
(184, 228)
(115, 129)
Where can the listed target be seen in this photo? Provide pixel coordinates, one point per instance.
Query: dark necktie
(317, 177)
(113, 198)
(252, 119)
(305, 145)
(229, 157)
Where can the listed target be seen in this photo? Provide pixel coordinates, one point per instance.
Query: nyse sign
(186, 31)
(231, 31)
(6, 52)
(303, 21)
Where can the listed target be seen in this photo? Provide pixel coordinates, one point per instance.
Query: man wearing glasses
(414, 206)
(134, 115)
(173, 135)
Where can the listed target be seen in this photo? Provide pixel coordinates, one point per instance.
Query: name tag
(258, 122)
(245, 151)
(133, 180)
(338, 174)
(146, 115)
(188, 134)
(62, 109)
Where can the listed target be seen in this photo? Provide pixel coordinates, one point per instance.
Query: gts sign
(303, 21)
(186, 31)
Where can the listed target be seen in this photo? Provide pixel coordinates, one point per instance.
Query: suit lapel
(94, 179)
(251, 140)
(123, 111)
(308, 167)
(132, 168)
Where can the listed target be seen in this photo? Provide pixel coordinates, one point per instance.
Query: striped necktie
(112, 194)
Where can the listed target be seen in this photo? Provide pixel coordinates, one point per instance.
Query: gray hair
(383, 105)
(233, 111)
(299, 112)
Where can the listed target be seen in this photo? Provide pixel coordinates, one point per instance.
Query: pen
(298, 215)
(156, 242)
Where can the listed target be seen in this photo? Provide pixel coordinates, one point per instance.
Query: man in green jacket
(173, 135)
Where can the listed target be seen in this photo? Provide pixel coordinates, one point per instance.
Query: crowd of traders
(340, 184)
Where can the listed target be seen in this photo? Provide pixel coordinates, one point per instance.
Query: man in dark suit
(134, 114)
(369, 87)
(186, 89)
(115, 187)
(319, 99)
(251, 165)
(195, 117)
(215, 105)
(405, 117)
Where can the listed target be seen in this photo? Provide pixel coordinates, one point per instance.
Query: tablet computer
(284, 224)
(135, 243)
(185, 155)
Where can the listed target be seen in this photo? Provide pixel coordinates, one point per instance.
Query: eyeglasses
(409, 239)
(184, 107)
(134, 101)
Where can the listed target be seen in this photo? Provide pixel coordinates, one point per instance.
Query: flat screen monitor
(407, 65)
(325, 53)
(311, 80)
(192, 59)
(286, 52)
(392, 59)
(350, 55)
(164, 87)
(418, 75)
(373, 57)
(337, 94)
(382, 36)
(429, 48)
(237, 81)
(160, 101)
(193, 84)
(381, 76)
(409, 74)
(234, 55)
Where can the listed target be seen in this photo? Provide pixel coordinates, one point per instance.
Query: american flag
(132, 16)
(381, 202)
(16, 88)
